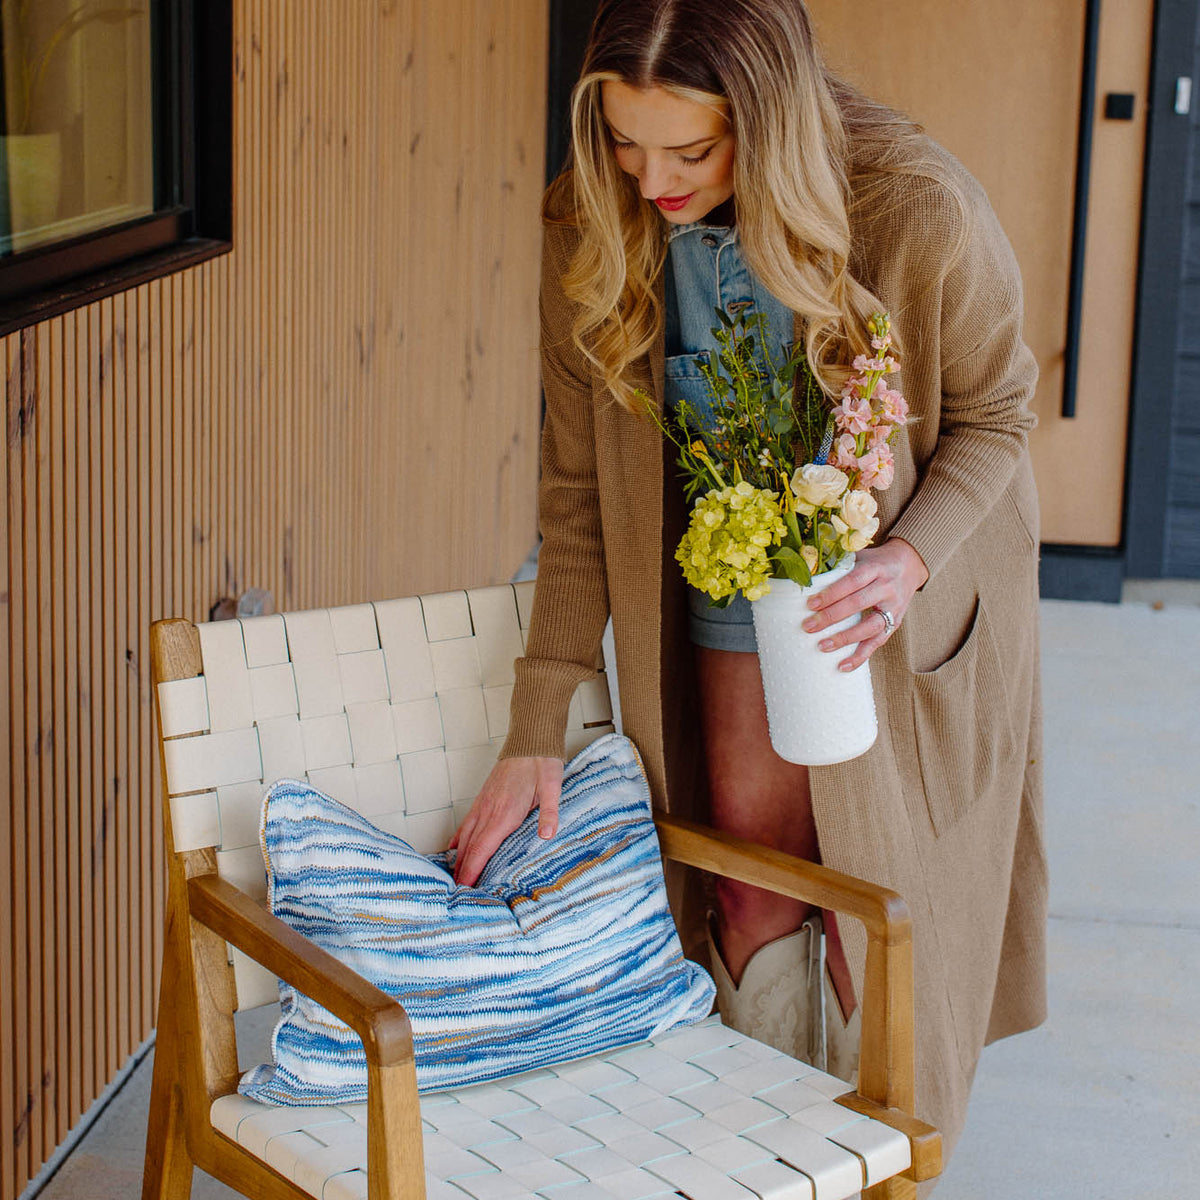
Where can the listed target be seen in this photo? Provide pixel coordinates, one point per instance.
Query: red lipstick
(673, 203)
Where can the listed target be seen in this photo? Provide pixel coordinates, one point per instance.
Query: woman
(712, 127)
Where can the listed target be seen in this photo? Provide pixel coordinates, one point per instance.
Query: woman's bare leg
(755, 794)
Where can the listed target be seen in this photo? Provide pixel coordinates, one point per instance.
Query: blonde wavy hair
(808, 149)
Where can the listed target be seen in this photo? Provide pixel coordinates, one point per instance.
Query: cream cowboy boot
(842, 1037)
(779, 998)
(786, 999)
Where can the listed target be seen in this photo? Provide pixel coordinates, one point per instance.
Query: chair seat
(703, 1112)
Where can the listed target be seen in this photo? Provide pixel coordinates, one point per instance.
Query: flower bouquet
(782, 487)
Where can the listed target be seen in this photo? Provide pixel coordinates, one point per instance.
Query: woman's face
(679, 151)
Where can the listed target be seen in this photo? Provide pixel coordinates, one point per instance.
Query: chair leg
(891, 1189)
(167, 1174)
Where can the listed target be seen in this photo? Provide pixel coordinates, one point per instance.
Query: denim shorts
(729, 628)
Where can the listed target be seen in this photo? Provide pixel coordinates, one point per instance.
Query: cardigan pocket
(963, 725)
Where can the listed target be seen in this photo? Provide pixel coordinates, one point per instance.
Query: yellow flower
(725, 546)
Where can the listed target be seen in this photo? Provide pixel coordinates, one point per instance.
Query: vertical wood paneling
(8, 746)
(108, 608)
(24, 772)
(90, 404)
(343, 408)
(46, 963)
(125, 703)
(64, 852)
(62, 346)
(14, 714)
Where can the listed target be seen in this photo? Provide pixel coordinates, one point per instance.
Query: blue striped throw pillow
(565, 947)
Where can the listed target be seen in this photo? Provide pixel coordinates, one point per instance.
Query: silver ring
(889, 622)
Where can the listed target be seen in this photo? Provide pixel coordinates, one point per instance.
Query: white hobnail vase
(817, 713)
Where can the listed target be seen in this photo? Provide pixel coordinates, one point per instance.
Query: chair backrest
(398, 709)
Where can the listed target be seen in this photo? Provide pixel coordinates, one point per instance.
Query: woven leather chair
(398, 709)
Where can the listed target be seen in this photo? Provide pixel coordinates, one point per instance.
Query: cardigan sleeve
(570, 607)
(988, 376)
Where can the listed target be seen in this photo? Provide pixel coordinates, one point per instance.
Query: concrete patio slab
(1103, 1101)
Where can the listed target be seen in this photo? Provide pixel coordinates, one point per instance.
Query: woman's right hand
(514, 787)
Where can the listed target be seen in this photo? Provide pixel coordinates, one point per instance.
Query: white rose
(818, 487)
(858, 510)
(860, 539)
(855, 539)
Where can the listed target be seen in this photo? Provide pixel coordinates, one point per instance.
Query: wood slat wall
(345, 407)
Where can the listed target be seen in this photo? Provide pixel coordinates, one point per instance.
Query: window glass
(78, 137)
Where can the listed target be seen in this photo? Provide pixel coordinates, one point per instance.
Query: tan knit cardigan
(946, 808)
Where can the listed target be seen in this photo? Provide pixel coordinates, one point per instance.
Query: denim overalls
(705, 269)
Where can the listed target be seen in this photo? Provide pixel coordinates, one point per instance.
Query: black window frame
(193, 218)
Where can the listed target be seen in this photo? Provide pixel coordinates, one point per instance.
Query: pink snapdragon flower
(887, 364)
(878, 436)
(843, 454)
(854, 415)
(892, 405)
(877, 468)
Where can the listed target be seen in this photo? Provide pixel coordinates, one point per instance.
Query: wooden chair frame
(196, 1051)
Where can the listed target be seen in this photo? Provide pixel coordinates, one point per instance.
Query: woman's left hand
(885, 579)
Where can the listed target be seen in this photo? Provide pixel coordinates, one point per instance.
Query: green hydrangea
(725, 547)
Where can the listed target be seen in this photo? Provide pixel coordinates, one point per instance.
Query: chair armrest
(886, 1072)
(926, 1142)
(374, 1015)
(882, 911)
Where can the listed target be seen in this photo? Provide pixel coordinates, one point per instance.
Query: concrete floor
(1102, 1102)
